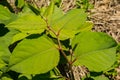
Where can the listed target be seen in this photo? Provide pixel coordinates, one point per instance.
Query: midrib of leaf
(35, 24)
(71, 18)
(66, 21)
(88, 53)
(32, 56)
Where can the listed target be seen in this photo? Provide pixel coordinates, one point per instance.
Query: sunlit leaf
(95, 50)
(19, 36)
(33, 56)
(20, 3)
(100, 78)
(6, 16)
(5, 41)
(68, 24)
(29, 23)
(49, 9)
(2, 63)
(6, 78)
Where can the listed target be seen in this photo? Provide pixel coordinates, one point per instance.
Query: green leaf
(95, 50)
(49, 9)
(87, 26)
(2, 63)
(5, 41)
(1, 73)
(29, 23)
(24, 77)
(46, 76)
(20, 3)
(6, 16)
(33, 56)
(6, 78)
(4, 13)
(19, 36)
(28, 9)
(69, 23)
(34, 9)
(7, 38)
(56, 15)
(100, 78)
(4, 55)
(51, 75)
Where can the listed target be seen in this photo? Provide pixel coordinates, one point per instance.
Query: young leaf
(29, 23)
(4, 13)
(2, 63)
(6, 16)
(19, 36)
(6, 78)
(34, 56)
(87, 26)
(56, 15)
(51, 75)
(7, 38)
(100, 78)
(4, 55)
(20, 3)
(24, 77)
(95, 50)
(69, 23)
(32, 8)
(49, 10)
(5, 41)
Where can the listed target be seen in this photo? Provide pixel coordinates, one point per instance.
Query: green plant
(84, 4)
(34, 42)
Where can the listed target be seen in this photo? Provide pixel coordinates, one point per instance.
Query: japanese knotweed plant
(34, 42)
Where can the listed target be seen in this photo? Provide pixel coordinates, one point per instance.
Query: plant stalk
(61, 50)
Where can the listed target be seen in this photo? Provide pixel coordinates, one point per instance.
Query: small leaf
(7, 38)
(29, 23)
(46, 76)
(33, 8)
(4, 55)
(24, 77)
(49, 10)
(56, 15)
(18, 37)
(1, 73)
(2, 63)
(34, 56)
(5, 41)
(87, 26)
(95, 50)
(4, 13)
(27, 10)
(20, 3)
(6, 78)
(6, 16)
(69, 23)
(100, 78)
